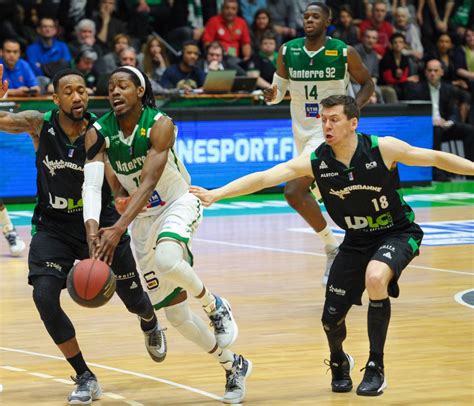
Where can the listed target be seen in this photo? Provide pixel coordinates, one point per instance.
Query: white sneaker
(87, 389)
(235, 380)
(15, 243)
(225, 327)
(331, 256)
(155, 343)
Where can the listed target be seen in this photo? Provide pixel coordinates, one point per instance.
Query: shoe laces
(337, 369)
(217, 321)
(372, 371)
(81, 381)
(154, 338)
(234, 374)
(11, 238)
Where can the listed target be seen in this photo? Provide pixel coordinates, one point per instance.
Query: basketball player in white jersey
(312, 68)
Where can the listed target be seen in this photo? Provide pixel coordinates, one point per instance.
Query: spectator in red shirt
(230, 31)
(395, 67)
(378, 23)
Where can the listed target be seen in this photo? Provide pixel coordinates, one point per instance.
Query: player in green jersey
(138, 141)
(360, 186)
(312, 68)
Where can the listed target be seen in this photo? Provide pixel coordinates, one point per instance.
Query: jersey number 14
(311, 93)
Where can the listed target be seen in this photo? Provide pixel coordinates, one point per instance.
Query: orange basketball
(91, 283)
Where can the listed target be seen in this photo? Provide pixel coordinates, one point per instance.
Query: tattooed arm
(29, 121)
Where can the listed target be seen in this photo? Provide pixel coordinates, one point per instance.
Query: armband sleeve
(92, 190)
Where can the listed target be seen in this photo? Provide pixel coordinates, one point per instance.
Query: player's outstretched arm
(361, 74)
(29, 121)
(293, 169)
(394, 150)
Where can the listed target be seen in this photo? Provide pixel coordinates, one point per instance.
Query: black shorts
(397, 249)
(56, 246)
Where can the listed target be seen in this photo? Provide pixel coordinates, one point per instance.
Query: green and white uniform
(313, 76)
(171, 212)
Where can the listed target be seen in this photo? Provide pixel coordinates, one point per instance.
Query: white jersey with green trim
(313, 76)
(127, 156)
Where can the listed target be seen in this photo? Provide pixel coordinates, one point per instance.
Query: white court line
(113, 396)
(133, 403)
(315, 254)
(13, 368)
(40, 375)
(65, 381)
(458, 298)
(124, 371)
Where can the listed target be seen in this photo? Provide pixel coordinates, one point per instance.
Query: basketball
(91, 283)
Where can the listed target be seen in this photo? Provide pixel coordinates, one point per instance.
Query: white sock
(5, 220)
(328, 238)
(225, 358)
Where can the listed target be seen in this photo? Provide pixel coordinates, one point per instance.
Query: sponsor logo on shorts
(337, 291)
(54, 265)
(387, 247)
(123, 277)
(387, 255)
(133, 285)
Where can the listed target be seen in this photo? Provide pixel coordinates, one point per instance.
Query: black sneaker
(373, 382)
(341, 374)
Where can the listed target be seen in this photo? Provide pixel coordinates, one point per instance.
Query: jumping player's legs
(162, 243)
(192, 327)
(299, 196)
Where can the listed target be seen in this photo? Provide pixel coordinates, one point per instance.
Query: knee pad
(46, 299)
(168, 254)
(190, 326)
(334, 314)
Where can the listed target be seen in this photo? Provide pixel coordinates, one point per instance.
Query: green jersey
(313, 76)
(127, 156)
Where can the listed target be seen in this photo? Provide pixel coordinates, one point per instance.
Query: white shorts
(178, 221)
(308, 143)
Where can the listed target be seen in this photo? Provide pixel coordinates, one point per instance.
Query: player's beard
(72, 117)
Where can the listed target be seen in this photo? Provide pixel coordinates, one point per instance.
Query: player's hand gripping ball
(91, 283)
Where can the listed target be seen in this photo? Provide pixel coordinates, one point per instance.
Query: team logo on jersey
(51, 131)
(312, 110)
(348, 189)
(57, 164)
(142, 132)
(323, 165)
(371, 165)
(330, 52)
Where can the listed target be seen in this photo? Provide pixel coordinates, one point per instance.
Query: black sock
(148, 320)
(378, 319)
(78, 363)
(336, 336)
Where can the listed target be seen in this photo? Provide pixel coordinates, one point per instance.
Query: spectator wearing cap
(230, 30)
(21, 79)
(47, 50)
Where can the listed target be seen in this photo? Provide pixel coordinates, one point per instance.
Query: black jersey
(364, 198)
(60, 174)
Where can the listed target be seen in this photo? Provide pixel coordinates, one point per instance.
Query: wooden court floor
(271, 276)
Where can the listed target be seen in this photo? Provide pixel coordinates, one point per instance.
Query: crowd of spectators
(177, 42)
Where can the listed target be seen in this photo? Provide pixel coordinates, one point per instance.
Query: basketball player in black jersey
(358, 178)
(59, 236)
